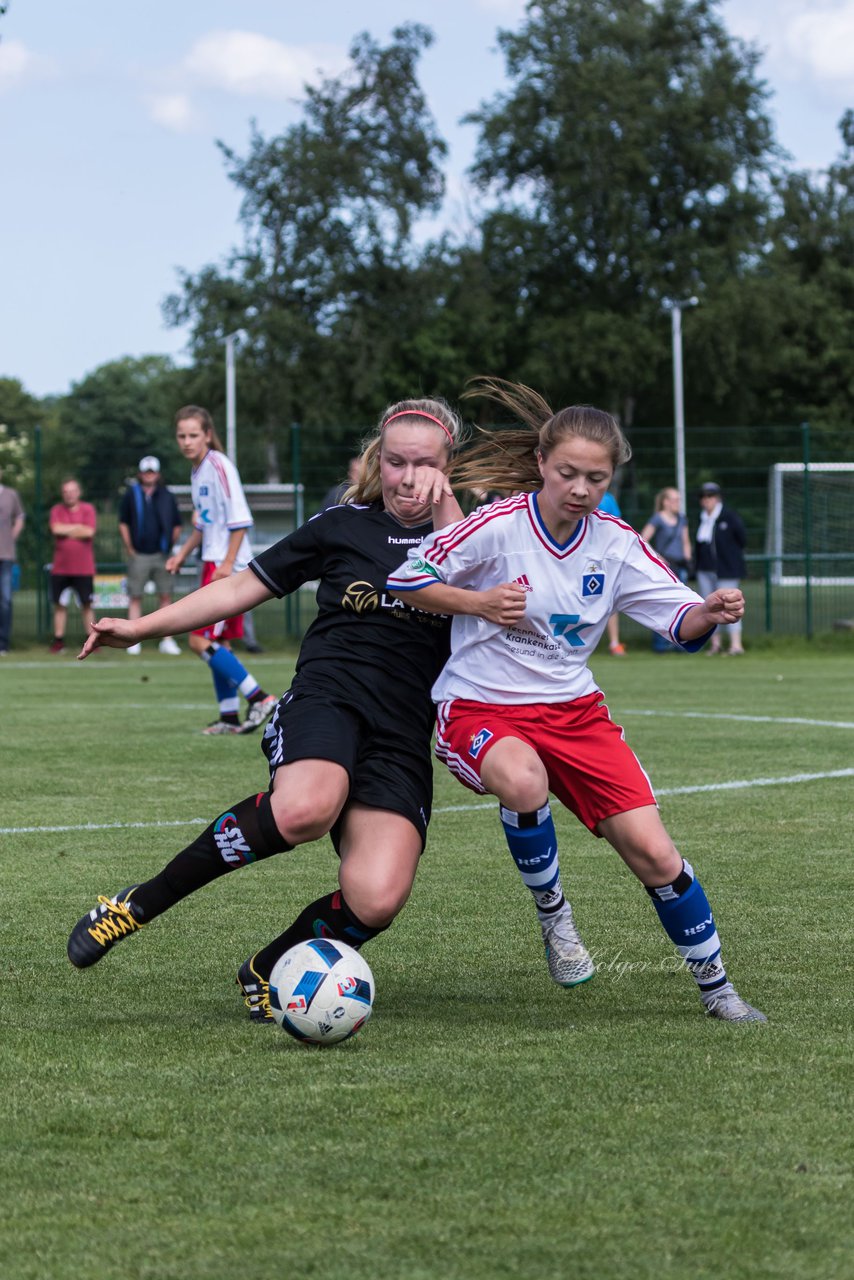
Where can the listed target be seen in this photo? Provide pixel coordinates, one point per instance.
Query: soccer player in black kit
(349, 743)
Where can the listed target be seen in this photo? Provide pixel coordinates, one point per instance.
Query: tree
(19, 410)
(116, 414)
(634, 156)
(774, 344)
(327, 217)
(812, 267)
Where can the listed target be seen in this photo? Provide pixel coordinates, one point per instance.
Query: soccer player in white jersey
(221, 523)
(519, 711)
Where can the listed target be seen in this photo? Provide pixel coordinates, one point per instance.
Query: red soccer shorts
(229, 628)
(591, 769)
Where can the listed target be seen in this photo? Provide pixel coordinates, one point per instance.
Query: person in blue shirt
(149, 524)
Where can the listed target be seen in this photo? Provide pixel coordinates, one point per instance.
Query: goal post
(811, 520)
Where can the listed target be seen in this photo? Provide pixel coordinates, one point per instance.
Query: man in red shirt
(72, 573)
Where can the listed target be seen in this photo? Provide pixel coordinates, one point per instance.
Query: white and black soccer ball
(321, 991)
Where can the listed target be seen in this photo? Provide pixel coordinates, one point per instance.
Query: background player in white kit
(221, 523)
(520, 713)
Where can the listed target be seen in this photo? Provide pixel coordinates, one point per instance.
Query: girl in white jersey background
(519, 711)
(221, 523)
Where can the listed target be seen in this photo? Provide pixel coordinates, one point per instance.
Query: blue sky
(109, 113)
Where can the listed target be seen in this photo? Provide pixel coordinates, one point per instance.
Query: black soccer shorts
(388, 763)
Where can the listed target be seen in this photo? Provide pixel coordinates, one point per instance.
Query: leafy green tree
(633, 157)
(327, 215)
(812, 272)
(116, 414)
(19, 411)
(775, 344)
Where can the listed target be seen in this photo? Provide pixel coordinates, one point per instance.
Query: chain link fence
(814, 595)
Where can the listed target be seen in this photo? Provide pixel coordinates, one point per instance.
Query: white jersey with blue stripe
(219, 507)
(573, 588)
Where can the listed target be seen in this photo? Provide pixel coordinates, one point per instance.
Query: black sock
(258, 696)
(328, 917)
(245, 833)
(229, 717)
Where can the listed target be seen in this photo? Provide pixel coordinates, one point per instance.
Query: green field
(486, 1123)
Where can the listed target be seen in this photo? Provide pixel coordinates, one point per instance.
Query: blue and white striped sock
(224, 663)
(229, 677)
(687, 919)
(532, 841)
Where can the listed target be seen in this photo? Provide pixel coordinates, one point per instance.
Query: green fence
(802, 586)
(801, 608)
(275, 621)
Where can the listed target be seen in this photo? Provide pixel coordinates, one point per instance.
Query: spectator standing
(11, 524)
(72, 573)
(666, 531)
(149, 524)
(719, 556)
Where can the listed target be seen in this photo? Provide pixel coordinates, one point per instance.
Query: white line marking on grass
(738, 785)
(110, 658)
(106, 826)
(724, 715)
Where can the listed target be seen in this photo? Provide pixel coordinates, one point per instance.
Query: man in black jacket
(719, 555)
(149, 523)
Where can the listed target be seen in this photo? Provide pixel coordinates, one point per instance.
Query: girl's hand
(725, 605)
(431, 485)
(504, 605)
(109, 633)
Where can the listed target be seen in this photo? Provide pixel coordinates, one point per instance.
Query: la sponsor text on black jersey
(363, 644)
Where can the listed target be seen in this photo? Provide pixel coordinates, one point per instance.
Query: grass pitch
(486, 1123)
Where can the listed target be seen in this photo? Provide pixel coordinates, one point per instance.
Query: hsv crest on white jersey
(220, 506)
(571, 591)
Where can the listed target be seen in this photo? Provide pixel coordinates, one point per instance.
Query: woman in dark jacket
(719, 556)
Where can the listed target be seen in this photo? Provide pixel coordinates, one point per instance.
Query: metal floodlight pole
(676, 309)
(231, 397)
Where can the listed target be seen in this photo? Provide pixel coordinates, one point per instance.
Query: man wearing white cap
(149, 523)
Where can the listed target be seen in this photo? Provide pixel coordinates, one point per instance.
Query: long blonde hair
(368, 486)
(505, 461)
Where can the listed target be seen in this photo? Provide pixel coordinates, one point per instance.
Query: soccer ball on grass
(321, 991)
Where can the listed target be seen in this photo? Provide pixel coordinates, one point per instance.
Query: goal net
(811, 521)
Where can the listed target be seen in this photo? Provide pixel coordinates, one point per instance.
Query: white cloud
(822, 41)
(804, 41)
(506, 9)
(173, 111)
(18, 64)
(238, 62)
(248, 63)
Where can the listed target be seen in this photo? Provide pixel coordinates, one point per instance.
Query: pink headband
(418, 413)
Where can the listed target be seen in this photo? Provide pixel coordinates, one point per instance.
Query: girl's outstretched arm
(222, 599)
